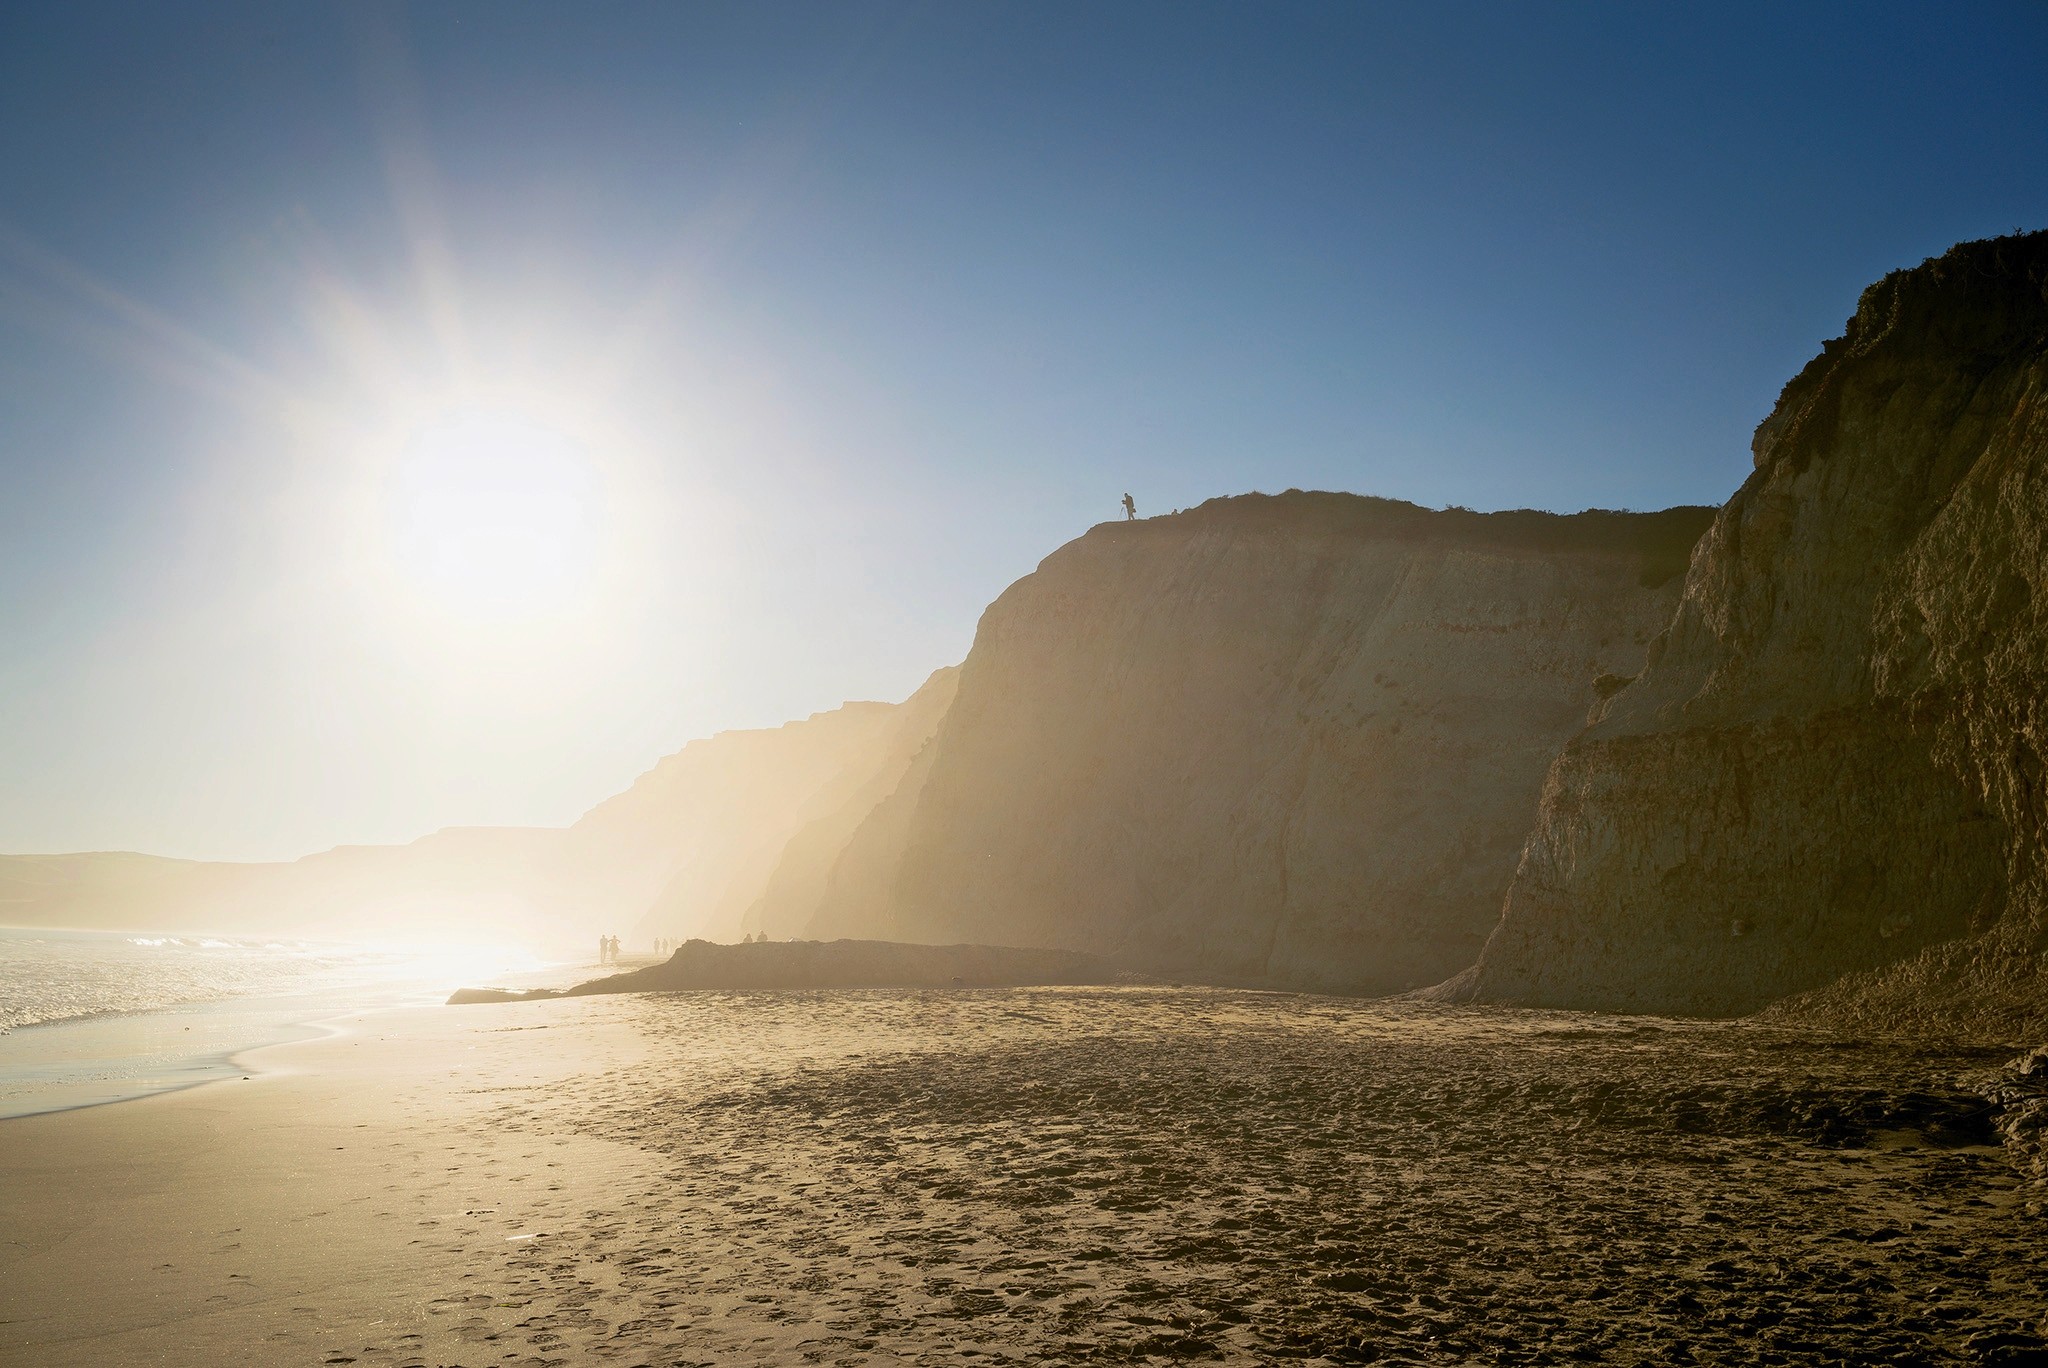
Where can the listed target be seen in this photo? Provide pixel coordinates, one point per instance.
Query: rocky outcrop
(2019, 1092)
(853, 964)
(1290, 740)
(1830, 775)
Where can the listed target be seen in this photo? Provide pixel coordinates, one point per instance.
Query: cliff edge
(1828, 780)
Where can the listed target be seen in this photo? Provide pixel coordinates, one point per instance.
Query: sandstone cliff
(1293, 740)
(1833, 763)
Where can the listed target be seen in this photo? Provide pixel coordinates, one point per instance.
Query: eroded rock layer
(1292, 740)
(1829, 776)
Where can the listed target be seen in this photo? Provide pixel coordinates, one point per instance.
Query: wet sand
(1029, 1176)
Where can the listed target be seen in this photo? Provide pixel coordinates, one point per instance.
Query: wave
(48, 977)
(75, 976)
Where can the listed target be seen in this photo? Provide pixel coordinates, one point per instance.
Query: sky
(808, 328)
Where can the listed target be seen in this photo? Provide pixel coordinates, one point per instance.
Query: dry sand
(1036, 1175)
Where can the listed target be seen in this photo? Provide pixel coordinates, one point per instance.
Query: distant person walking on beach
(1130, 508)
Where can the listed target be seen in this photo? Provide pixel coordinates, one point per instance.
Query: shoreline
(224, 1223)
(104, 1058)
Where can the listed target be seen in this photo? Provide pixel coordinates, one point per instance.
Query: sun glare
(494, 514)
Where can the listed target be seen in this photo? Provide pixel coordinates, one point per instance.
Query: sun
(493, 513)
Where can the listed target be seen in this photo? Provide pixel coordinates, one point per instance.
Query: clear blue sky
(885, 302)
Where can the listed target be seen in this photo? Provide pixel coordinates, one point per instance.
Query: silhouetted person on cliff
(1130, 509)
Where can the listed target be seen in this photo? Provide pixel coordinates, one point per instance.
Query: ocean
(88, 1017)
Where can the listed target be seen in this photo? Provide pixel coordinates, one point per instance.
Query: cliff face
(1293, 740)
(1833, 761)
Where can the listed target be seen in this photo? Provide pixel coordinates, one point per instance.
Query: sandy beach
(1026, 1176)
(277, 1219)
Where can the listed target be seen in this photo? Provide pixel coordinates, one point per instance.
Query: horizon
(803, 375)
